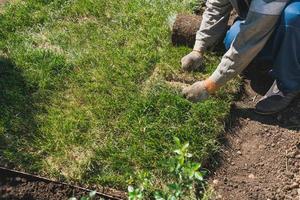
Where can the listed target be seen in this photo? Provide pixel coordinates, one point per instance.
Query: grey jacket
(260, 17)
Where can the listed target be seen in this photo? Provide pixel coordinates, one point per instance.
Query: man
(268, 28)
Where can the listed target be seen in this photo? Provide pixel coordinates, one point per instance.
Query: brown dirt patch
(15, 186)
(260, 158)
(18, 188)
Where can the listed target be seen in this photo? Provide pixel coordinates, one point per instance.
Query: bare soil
(17, 188)
(260, 158)
(22, 186)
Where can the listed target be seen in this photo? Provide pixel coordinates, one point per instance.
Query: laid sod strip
(79, 96)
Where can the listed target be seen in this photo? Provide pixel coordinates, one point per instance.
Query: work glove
(192, 61)
(196, 92)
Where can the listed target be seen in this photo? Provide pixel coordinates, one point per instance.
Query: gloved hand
(192, 61)
(196, 92)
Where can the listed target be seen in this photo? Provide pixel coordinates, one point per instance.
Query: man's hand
(196, 92)
(192, 61)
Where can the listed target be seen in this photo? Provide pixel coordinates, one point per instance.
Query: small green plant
(91, 196)
(138, 193)
(184, 172)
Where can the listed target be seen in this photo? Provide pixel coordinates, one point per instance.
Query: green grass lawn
(75, 96)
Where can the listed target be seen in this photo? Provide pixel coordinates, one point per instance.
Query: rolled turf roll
(184, 29)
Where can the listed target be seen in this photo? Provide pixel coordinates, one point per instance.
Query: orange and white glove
(199, 91)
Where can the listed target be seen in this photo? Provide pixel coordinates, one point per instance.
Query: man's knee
(291, 14)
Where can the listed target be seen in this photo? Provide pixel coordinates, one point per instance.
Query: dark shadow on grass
(17, 123)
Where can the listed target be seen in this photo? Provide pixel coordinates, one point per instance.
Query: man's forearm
(253, 35)
(214, 24)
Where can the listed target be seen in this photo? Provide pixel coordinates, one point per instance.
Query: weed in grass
(183, 173)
